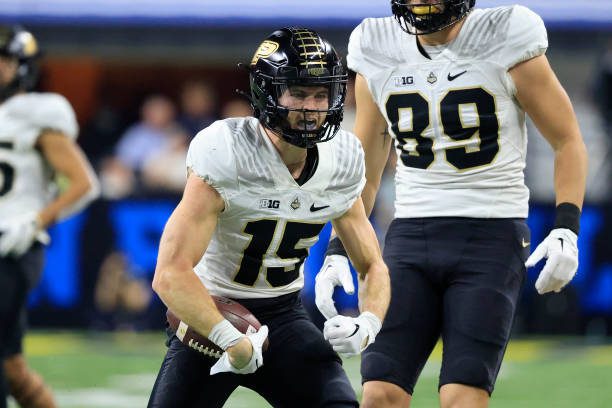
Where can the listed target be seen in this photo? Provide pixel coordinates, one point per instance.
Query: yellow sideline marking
(599, 355)
(42, 343)
(528, 350)
(56, 343)
(51, 343)
(518, 350)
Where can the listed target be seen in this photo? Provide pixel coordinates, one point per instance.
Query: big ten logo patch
(267, 203)
(401, 81)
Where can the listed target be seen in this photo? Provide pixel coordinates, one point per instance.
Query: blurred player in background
(259, 191)
(37, 141)
(452, 85)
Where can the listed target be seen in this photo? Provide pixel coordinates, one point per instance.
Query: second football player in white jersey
(258, 194)
(37, 140)
(451, 85)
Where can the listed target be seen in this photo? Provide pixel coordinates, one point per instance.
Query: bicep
(543, 98)
(371, 129)
(191, 225)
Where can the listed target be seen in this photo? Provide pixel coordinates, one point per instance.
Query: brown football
(234, 312)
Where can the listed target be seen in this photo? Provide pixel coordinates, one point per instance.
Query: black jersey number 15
(262, 233)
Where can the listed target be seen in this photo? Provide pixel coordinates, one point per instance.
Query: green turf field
(118, 370)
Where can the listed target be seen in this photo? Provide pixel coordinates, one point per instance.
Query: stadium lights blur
(220, 13)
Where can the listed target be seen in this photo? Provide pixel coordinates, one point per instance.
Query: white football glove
(334, 272)
(257, 340)
(560, 248)
(17, 234)
(349, 336)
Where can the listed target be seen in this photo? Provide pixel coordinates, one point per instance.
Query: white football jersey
(269, 222)
(25, 176)
(459, 131)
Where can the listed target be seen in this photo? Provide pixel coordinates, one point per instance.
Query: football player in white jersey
(37, 140)
(451, 85)
(259, 191)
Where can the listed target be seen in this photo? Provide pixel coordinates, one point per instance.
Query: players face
(8, 70)
(308, 106)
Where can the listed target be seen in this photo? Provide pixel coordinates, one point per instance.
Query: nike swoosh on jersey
(453, 77)
(525, 244)
(313, 208)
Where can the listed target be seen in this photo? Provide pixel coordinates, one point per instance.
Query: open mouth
(308, 124)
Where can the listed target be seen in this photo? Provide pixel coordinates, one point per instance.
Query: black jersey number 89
(450, 114)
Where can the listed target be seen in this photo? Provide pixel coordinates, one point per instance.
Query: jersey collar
(283, 178)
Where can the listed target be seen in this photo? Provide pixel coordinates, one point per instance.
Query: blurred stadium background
(145, 75)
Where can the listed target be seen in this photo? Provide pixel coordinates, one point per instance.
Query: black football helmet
(296, 56)
(426, 18)
(16, 42)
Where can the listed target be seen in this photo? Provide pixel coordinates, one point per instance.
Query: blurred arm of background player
(68, 160)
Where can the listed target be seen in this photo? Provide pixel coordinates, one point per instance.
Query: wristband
(335, 247)
(375, 323)
(224, 335)
(373, 326)
(567, 215)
